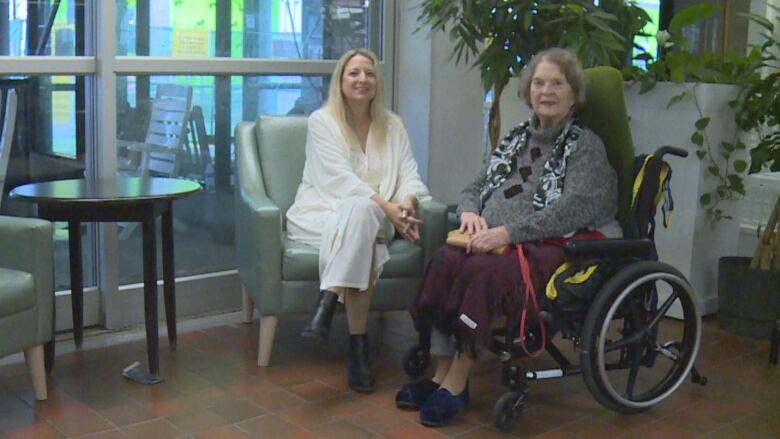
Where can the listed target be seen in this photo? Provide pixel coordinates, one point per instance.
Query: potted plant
(502, 36)
(749, 288)
(755, 92)
(748, 299)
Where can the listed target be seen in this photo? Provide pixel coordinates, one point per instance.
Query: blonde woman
(360, 187)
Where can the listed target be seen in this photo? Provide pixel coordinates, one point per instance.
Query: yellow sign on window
(190, 42)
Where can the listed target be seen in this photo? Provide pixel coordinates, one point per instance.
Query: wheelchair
(630, 356)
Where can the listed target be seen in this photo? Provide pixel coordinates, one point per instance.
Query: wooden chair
(166, 131)
(9, 122)
(198, 164)
(163, 148)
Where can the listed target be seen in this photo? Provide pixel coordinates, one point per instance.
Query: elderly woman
(549, 178)
(360, 186)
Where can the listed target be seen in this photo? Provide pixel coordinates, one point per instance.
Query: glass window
(203, 224)
(46, 134)
(290, 29)
(648, 43)
(42, 28)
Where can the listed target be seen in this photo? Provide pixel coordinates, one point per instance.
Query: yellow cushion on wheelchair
(662, 177)
(576, 278)
(551, 292)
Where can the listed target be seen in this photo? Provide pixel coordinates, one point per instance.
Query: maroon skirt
(461, 294)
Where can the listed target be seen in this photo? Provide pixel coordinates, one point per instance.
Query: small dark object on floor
(140, 373)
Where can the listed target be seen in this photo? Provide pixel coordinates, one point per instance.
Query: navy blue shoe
(413, 395)
(443, 407)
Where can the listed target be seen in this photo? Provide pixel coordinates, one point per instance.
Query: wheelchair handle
(673, 150)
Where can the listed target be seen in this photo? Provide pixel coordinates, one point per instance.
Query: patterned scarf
(515, 144)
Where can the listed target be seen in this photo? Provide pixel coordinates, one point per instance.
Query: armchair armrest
(434, 229)
(259, 247)
(26, 244)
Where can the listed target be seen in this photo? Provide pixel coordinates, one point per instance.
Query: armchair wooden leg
(266, 339)
(247, 305)
(34, 358)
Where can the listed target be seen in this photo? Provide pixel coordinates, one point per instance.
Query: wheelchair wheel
(633, 356)
(507, 410)
(416, 360)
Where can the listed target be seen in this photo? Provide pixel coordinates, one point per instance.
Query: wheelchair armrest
(600, 248)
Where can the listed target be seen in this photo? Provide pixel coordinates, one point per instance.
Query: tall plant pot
(748, 299)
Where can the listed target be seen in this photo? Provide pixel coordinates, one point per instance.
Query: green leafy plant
(759, 109)
(502, 36)
(756, 106)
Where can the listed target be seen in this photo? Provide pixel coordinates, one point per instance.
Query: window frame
(100, 71)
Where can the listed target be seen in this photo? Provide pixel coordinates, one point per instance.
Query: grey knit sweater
(588, 201)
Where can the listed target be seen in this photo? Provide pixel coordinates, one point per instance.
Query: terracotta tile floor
(213, 389)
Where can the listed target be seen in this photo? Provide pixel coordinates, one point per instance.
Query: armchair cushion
(281, 150)
(300, 261)
(17, 291)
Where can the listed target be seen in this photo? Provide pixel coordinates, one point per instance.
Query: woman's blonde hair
(338, 107)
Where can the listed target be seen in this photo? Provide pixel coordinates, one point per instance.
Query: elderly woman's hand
(488, 239)
(471, 223)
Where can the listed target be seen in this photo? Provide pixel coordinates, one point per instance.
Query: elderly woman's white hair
(570, 66)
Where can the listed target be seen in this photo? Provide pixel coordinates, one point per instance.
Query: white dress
(336, 179)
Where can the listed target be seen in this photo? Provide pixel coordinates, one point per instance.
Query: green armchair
(280, 276)
(26, 292)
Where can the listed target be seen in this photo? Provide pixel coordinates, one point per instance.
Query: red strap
(530, 300)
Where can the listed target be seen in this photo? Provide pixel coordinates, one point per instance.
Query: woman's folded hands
(403, 216)
(483, 239)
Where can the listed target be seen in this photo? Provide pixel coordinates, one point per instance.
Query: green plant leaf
(736, 184)
(644, 57)
(700, 153)
(577, 9)
(692, 15)
(762, 21)
(740, 165)
(705, 199)
(702, 123)
(713, 170)
(697, 139)
(646, 83)
(675, 99)
(677, 74)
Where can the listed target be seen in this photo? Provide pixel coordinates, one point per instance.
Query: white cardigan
(334, 172)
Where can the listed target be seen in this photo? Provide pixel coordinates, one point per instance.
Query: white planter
(691, 244)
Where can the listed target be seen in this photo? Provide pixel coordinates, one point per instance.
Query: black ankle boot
(321, 316)
(359, 375)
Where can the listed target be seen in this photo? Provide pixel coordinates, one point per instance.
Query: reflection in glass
(203, 224)
(292, 29)
(42, 27)
(48, 145)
